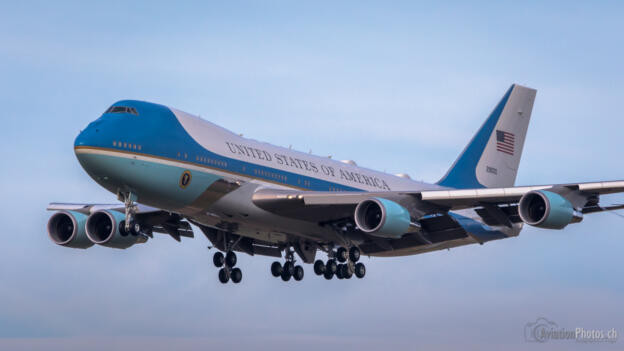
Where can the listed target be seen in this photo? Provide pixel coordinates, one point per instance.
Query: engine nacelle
(545, 209)
(67, 228)
(382, 217)
(106, 228)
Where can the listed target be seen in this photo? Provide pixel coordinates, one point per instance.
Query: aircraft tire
(360, 270)
(276, 269)
(298, 273)
(223, 276)
(331, 266)
(340, 271)
(348, 273)
(218, 259)
(319, 267)
(286, 275)
(230, 259)
(236, 275)
(354, 254)
(289, 267)
(341, 254)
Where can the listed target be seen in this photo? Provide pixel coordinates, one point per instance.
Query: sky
(396, 86)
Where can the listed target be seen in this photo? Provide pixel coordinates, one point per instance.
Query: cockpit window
(122, 109)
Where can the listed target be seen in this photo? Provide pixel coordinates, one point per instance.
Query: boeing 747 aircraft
(171, 169)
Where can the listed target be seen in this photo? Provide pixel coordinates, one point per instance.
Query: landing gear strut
(288, 270)
(130, 209)
(346, 267)
(129, 226)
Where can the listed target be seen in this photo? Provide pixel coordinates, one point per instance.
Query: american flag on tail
(505, 142)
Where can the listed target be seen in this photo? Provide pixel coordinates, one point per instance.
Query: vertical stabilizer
(492, 157)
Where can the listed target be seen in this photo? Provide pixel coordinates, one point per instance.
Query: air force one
(170, 169)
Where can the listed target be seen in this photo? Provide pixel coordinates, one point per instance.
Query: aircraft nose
(86, 146)
(88, 136)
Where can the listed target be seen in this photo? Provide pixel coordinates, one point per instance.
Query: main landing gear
(345, 269)
(289, 269)
(227, 262)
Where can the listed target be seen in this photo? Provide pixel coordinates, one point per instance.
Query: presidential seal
(185, 179)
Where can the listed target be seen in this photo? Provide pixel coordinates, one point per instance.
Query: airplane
(171, 171)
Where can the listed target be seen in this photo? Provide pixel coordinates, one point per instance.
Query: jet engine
(382, 217)
(545, 209)
(107, 228)
(67, 228)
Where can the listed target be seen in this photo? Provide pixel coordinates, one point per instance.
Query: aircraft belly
(415, 250)
(236, 210)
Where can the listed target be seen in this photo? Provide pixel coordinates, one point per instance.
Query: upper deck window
(122, 109)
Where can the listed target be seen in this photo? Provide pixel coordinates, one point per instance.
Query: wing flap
(596, 208)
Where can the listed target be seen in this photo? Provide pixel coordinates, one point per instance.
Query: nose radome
(87, 135)
(80, 140)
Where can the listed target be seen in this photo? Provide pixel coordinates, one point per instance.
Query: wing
(326, 205)
(155, 219)
(438, 219)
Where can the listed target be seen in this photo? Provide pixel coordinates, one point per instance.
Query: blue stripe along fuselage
(174, 143)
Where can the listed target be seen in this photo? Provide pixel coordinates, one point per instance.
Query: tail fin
(491, 158)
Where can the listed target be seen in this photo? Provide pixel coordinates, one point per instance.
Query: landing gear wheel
(135, 228)
(230, 259)
(218, 259)
(122, 228)
(348, 272)
(331, 267)
(319, 267)
(328, 274)
(298, 273)
(354, 254)
(236, 275)
(276, 269)
(341, 254)
(360, 270)
(223, 275)
(289, 267)
(286, 274)
(340, 271)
